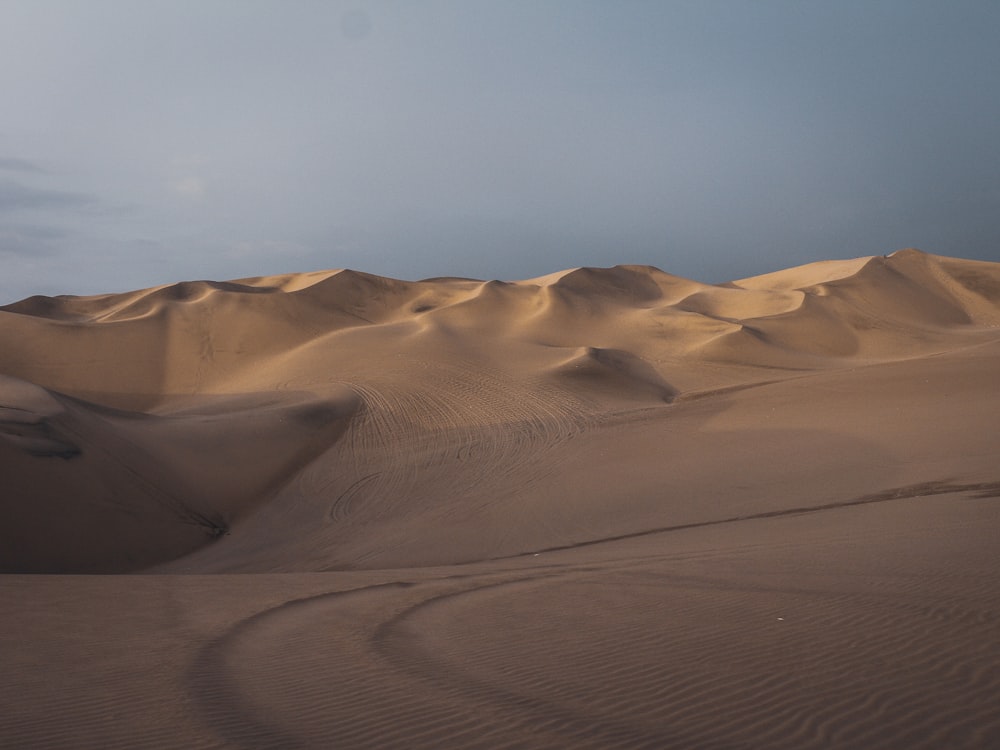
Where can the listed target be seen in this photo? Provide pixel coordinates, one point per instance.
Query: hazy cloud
(12, 164)
(192, 186)
(29, 240)
(15, 196)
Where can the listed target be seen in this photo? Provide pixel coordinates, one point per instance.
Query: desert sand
(605, 508)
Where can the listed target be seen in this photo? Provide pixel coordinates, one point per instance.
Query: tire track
(985, 490)
(833, 697)
(468, 427)
(277, 680)
(707, 650)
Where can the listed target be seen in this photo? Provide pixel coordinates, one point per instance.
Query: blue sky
(149, 142)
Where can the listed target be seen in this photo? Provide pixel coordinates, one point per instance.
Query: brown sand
(602, 508)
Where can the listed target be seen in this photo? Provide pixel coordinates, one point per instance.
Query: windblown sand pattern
(605, 508)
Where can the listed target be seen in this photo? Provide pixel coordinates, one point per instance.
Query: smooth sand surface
(601, 508)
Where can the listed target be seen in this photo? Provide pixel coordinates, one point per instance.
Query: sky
(143, 143)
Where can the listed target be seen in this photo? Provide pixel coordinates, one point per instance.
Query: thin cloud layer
(15, 196)
(13, 164)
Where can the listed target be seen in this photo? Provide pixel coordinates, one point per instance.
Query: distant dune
(600, 508)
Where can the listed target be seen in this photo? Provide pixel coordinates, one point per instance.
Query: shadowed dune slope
(88, 488)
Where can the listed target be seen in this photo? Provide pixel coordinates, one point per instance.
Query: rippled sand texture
(603, 508)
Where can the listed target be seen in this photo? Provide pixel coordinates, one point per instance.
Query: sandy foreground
(603, 508)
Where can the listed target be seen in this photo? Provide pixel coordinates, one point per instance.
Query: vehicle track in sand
(469, 428)
(639, 648)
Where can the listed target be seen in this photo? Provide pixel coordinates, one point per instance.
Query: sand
(603, 508)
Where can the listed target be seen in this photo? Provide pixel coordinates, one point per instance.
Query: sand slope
(366, 406)
(600, 508)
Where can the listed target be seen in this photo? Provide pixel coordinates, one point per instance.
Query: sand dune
(599, 508)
